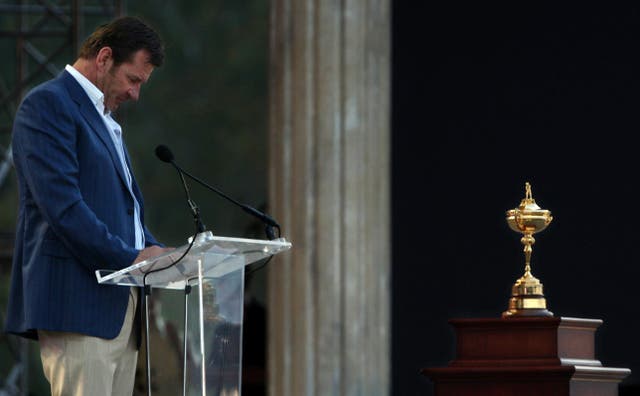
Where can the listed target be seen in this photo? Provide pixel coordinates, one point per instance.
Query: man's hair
(125, 36)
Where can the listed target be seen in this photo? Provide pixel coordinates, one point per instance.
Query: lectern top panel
(216, 256)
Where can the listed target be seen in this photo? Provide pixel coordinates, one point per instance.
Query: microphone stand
(195, 211)
(165, 155)
(269, 222)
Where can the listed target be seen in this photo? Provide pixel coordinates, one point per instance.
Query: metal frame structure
(58, 28)
(41, 32)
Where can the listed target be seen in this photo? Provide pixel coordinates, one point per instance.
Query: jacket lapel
(94, 119)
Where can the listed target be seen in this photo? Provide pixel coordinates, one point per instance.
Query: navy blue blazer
(75, 216)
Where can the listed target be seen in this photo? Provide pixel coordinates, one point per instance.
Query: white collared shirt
(115, 131)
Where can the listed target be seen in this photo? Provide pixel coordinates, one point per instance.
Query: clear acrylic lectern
(214, 267)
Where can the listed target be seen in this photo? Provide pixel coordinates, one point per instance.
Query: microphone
(165, 155)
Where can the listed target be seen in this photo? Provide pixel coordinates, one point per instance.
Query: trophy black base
(527, 305)
(527, 312)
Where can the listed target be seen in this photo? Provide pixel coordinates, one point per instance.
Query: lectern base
(526, 356)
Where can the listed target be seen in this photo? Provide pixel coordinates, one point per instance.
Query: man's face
(123, 82)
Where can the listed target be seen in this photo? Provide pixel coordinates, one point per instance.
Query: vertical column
(329, 170)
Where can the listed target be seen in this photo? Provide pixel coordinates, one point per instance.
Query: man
(80, 210)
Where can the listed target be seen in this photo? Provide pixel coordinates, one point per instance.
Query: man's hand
(149, 252)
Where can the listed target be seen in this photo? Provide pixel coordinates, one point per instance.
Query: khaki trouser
(80, 365)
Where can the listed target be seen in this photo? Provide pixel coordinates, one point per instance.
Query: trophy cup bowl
(528, 220)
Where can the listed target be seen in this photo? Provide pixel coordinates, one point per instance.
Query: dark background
(485, 99)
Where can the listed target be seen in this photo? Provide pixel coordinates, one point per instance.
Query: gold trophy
(527, 298)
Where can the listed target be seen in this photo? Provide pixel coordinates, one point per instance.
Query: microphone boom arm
(165, 155)
(268, 220)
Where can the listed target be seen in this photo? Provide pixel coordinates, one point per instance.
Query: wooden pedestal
(526, 356)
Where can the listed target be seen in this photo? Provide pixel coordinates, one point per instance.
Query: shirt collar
(95, 95)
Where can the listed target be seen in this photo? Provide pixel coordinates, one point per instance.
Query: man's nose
(134, 93)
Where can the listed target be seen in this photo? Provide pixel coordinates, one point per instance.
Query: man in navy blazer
(80, 210)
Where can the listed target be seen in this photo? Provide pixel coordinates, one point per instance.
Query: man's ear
(104, 59)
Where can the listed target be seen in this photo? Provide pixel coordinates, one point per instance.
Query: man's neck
(86, 68)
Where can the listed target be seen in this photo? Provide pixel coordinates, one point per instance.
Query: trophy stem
(528, 240)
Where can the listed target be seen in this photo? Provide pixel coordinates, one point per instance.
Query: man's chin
(113, 108)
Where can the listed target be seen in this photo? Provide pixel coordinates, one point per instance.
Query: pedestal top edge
(615, 374)
(526, 321)
(487, 322)
(582, 321)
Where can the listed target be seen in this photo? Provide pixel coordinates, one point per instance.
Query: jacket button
(130, 212)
